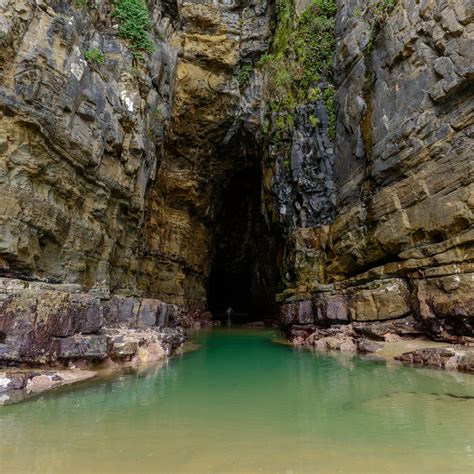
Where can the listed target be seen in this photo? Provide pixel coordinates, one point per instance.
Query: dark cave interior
(244, 274)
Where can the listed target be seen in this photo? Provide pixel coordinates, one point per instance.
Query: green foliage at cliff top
(300, 57)
(134, 23)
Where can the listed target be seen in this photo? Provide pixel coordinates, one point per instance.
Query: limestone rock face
(206, 147)
(112, 170)
(410, 194)
(79, 142)
(401, 240)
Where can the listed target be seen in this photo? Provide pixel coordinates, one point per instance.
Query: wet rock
(458, 358)
(337, 337)
(300, 312)
(348, 346)
(446, 305)
(93, 347)
(42, 324)
(377, 330)
(172, 338)
(331, 307)
(143, 343)
(301, 331)
(150, 351)
(16, 386)
(12, 381)
(366, 346)
(40, 383)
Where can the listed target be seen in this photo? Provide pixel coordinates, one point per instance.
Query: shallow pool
(243, 403)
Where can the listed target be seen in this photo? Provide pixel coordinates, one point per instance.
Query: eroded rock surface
(113, 175)
(80, 144)
(448, 358)
(401, 242)
(79, 141)
(17, 385)
(44, 324)
(208, 145)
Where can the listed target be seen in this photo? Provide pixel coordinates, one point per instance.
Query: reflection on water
(244, 404)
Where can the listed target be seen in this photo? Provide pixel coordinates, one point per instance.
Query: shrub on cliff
(95, 55)
(300, 57)
(134, 22)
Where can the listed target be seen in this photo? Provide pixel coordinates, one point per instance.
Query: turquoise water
(243, 403)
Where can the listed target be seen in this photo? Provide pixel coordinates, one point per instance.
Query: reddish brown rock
(300, 312)
(451, 359)
(446, 305)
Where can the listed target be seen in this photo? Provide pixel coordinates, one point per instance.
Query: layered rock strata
(208, 145)
(114, 171)
(401, 242)
(53, 324)
(80, 141)
(82, 128)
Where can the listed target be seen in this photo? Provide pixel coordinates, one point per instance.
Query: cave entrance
(244, 272)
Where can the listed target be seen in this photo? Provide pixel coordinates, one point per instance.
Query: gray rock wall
(403, 172)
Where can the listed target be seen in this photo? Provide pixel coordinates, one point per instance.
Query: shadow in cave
(244, 272)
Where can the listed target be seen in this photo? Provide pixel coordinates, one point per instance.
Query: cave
(243, 275)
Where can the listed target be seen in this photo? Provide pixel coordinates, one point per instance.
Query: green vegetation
(95, 55)
(380, 11)
(314, 121)
(159, 113)
(300, 57)
(80, 3)
(134, 23)
(328, 99)
(357, 12)
(243, 76)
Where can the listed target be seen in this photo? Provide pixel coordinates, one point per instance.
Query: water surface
(242, 403)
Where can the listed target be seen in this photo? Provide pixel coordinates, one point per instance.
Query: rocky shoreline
(126, 348)
(385, 342)
(53, 335)
(44, 323)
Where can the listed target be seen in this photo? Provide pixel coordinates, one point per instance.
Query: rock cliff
(83, 123)
(401, 241)
(317, 151)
